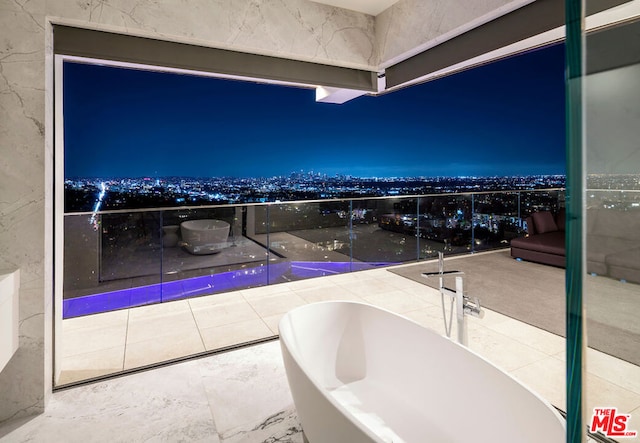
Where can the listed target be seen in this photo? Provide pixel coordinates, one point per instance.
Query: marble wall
(411, 26)
(296, 29)
(22, 198)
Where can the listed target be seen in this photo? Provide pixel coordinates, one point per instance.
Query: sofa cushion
(631, 275)
(596, 267)
(627, 259)
(549, 242)
(538, 257)
(544, 222)
(600, 247)
(614, 223)
(625, 265)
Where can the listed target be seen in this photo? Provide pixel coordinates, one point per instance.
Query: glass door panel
(612, 281)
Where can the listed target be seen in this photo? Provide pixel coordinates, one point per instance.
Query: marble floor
(233, 397)
(242, 395)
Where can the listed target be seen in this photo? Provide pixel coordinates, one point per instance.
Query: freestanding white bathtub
(204, 236)
(358, 373)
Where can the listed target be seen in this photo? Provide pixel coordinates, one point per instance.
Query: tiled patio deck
(111, 342)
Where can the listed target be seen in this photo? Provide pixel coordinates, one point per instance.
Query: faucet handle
(472, 307)
(428, 274)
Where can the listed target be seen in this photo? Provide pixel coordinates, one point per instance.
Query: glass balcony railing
(120, 259)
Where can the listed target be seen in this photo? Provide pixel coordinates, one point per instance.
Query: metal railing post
(473, 227)
(350, 235)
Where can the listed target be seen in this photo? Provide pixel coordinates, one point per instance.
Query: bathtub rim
(323, 391)
(297, 358)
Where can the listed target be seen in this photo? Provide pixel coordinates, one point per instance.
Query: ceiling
(371, 7)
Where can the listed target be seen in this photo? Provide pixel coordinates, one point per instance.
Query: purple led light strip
(204, 285)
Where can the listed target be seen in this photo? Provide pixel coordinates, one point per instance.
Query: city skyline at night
(502, 119)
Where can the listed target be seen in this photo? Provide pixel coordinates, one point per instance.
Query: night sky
(506, 118)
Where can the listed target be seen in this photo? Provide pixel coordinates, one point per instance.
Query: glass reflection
(122, 259)
(206, 251)
(308, 239)
(445, 225)
(384, 231)
(111, 261)
(495, 220)
(612, 281)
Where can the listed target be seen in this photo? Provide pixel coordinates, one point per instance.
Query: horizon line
(422, 177)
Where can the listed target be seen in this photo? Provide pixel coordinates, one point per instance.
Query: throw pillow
(544, 222)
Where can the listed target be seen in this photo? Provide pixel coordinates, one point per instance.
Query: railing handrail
(322, 200)
(611, 190)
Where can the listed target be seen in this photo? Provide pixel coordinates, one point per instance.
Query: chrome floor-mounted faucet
(464, 305)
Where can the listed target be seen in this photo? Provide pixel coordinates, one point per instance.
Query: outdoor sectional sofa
(545, 240)
(613, 242)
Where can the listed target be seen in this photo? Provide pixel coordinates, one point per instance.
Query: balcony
(122, 259)
(292, 244)
(531, 354)
(139, 290)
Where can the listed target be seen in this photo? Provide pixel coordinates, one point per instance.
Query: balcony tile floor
(242, 395)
